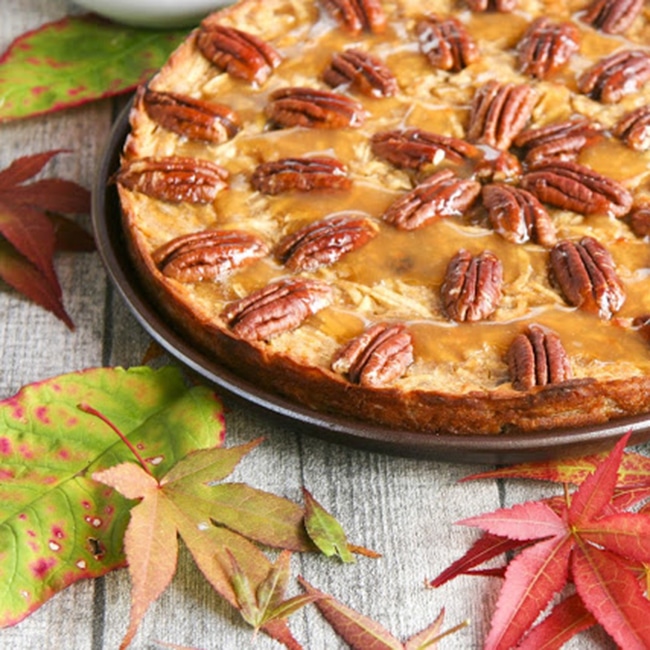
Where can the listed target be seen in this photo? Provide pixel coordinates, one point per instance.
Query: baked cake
(431, 214)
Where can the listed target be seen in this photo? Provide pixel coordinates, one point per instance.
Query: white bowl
(154, 13)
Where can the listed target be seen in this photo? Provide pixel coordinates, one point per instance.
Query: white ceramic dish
(154, 13)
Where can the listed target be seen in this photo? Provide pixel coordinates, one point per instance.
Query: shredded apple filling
(420, 196)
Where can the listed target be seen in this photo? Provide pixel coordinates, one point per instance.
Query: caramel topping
(397, 276)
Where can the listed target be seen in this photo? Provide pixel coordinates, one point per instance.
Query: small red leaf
(27, 226)
(69, 236)
(31, 233)
(533, 577)
(634, 470)
(625, 533)
(54, 195)
(527, 521)
(612, 594)
(597, 489)
(566, 619)
(23, 276)
(562, 470)
(279, 630)
(357, 630)
(24, 168)
(484, 548)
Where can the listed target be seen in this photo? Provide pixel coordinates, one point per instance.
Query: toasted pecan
(313, 108)
(300, 174)
(442, 194)
(499, 112)
(208, 255)
(240, 54)
(278, 307)
(192, 118)
(446, 43)
(175, 179)
(472, 287)
(376, 357)
(326, 241)
(361, 71)
(586, 275)
(537, 358)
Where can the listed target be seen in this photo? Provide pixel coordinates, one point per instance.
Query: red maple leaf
(586, 539)
(32, 229)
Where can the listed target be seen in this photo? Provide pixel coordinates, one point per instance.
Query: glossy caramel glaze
(397, 276)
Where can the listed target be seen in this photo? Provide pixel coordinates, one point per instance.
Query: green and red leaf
(75, 60)
(57, 525)
(324, 530)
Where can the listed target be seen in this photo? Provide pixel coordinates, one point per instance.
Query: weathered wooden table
(403, 508)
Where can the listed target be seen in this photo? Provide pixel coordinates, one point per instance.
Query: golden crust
(450, 388)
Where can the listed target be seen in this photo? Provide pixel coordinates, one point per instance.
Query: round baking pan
(505, 448)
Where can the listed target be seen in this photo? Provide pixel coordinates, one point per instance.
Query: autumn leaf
(363, 633)
(586, 539)
(32, 229)
(324, 530)
(57, 525)
(633, 470)
(76, 60)
(259, 606)
(218, 523)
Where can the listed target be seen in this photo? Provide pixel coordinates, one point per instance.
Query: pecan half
(571, 186)
(325, 242)
(446, 43)
(639, 220)
(300, 174)
(499, 112)
(517, 215)
(585, 273)
(192, 118)
(537, 358)
(208, 255)
(616, 75)
(362, 71)
(472, 287)
(559, 141)
(276, 308)
(240, 54)
(634, 128)
(377, 357)
(175, 179)
(356, 16)
(502, 6)
(318, 109)
(546, 46)
(443, 194)
(612, 16)
(501, 167)
(414, 148)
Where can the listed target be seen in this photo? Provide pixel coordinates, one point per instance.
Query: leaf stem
(86, 408)
(448, 632)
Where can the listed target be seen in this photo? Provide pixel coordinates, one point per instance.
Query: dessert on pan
(431, 214)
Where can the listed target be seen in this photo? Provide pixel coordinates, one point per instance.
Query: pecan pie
(427, 215)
